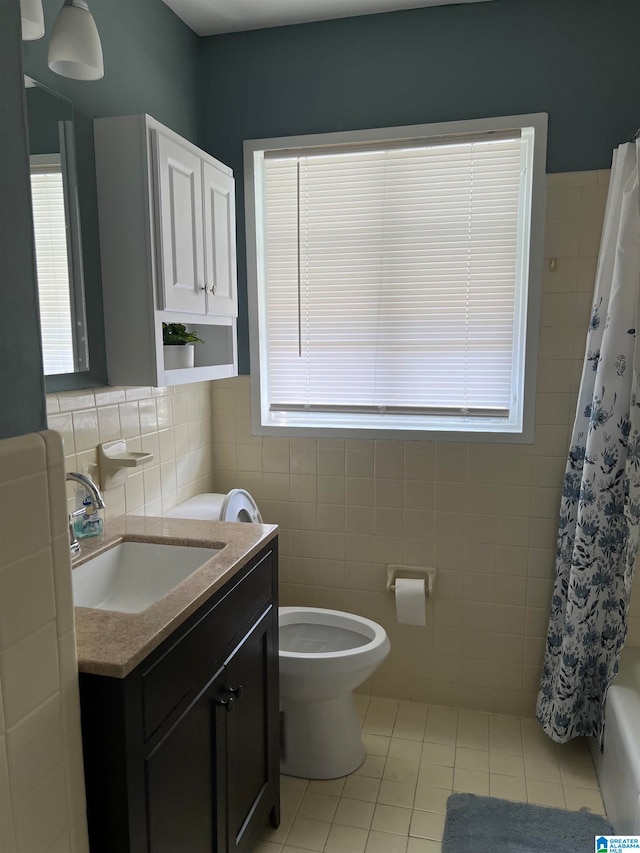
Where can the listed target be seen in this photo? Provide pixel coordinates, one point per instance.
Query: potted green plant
(178, 346)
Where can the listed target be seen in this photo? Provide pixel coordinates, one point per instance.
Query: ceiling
(210, 17)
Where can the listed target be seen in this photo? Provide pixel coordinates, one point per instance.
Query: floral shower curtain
(600, 510)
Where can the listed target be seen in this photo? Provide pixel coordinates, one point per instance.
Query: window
(389, 278)
(52, 263)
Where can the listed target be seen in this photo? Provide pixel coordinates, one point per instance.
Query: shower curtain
(600, 508)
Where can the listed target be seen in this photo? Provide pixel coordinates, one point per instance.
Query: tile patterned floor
(416, 756)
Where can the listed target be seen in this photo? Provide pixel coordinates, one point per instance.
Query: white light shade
(32, 19)
(75, 50)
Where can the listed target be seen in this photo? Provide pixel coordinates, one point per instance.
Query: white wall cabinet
(167, 243)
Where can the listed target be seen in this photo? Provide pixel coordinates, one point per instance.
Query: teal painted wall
(22, 407)
(44, 111)
(578, 60)
(150, 60)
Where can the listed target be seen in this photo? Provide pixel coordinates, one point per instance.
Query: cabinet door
(179, 227)
(249, 731)
(183, 782)
(220, 242)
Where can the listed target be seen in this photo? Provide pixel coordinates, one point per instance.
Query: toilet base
(321, 739)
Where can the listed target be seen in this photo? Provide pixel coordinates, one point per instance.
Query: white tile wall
(172, 423)
(483, 514)
(42, 805)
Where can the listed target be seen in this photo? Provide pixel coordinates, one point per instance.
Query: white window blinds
(52, 261)
(395, 277)
(389, 278)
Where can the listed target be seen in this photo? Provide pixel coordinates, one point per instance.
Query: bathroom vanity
(179, 703)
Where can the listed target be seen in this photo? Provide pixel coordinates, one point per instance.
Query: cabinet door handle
(227, 701)
(230, 696)
(207, 289)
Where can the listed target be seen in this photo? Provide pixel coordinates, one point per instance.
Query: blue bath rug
(489, 825)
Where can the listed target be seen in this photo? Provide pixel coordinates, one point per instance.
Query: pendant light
(32, 19)
(75, 50)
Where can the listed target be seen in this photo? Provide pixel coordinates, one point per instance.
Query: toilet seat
(238, 505)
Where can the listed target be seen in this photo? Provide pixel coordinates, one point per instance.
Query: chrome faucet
(97, 502)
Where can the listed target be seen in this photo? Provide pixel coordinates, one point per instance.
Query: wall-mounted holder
(429, 574)
(114, 462)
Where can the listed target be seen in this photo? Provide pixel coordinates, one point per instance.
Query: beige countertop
(113, 644)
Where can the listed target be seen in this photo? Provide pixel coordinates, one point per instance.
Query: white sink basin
(131, 576)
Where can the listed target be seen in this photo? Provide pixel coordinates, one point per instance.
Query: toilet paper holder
(428, 573)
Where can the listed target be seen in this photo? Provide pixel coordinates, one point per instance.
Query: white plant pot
(178, 357)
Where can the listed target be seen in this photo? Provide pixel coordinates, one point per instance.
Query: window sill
(404, 428)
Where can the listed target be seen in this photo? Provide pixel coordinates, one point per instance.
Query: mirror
(57, 233)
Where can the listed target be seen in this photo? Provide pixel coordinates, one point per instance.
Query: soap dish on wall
(114, 462)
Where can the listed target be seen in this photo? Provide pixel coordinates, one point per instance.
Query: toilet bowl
(324, 655)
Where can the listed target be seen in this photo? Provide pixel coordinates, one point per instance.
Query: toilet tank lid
(236, 505)
(205, 507)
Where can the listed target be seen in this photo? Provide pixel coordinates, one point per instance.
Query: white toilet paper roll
(410, 601)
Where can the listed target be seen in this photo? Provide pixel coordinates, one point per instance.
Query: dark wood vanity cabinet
(182, 755)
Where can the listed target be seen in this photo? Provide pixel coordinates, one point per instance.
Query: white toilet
(324, 656)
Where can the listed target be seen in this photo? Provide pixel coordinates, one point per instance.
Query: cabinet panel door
(247, 673)
(182, 784)
(180, 230)
(220, 242)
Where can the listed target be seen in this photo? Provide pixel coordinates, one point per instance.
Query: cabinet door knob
(227, 700)
(207, 289)
(236, 691)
